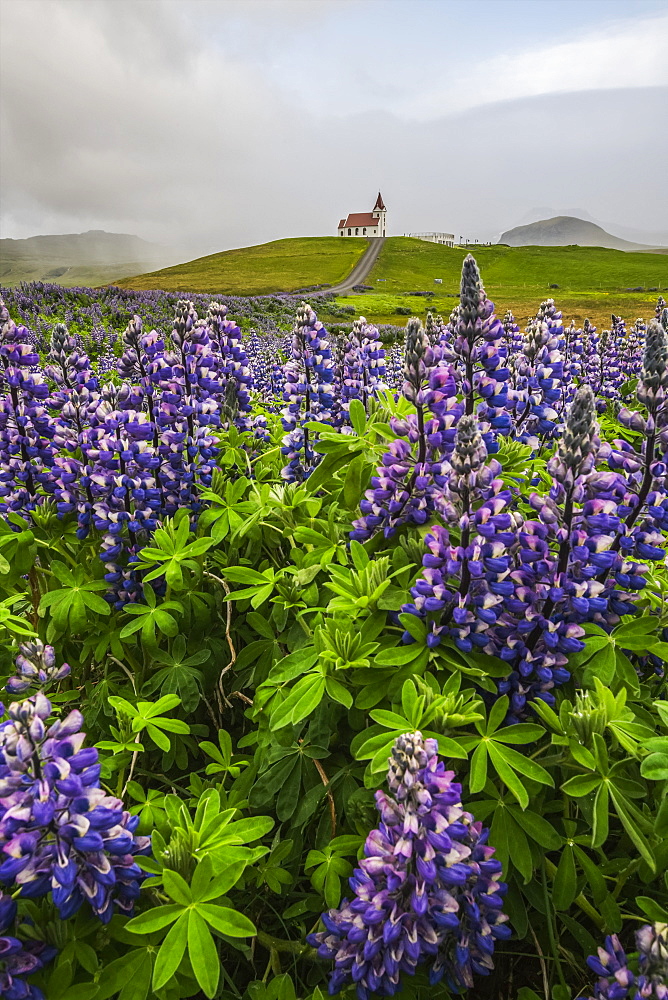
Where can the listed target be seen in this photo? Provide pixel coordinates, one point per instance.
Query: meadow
(590, 282)
(333, 666)
(281, 266)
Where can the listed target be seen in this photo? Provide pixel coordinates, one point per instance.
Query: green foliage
(246, 706)
(281, 266)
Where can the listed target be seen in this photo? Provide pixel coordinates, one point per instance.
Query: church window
(349, 233)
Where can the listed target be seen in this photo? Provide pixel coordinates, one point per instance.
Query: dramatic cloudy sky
(208, 124)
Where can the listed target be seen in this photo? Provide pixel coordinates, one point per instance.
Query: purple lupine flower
(308, 393)
(455, 594)
(36, 667)
(363, 364)
(512, 335)
(427, 890)
(618, 982)
(60, 833)
(537, 392)
(479, 354)
(409, 483)
(19, 959)
(234, 374)
(26, 453)
(68, 367)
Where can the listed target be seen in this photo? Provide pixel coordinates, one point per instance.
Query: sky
(208, 124)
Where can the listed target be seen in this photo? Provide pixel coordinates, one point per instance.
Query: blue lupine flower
(426, 892)
(60, 833)
(618, 982)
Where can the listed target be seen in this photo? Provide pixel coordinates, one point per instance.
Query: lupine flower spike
(618, 982)
(427, 890)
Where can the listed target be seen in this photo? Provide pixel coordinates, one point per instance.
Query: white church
(365, 223)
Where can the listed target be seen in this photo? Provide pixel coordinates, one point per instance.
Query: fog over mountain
(654, 238)
(209, 126)
(94, 257)
(563, 231)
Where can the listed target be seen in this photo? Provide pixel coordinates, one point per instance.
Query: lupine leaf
(171, 952)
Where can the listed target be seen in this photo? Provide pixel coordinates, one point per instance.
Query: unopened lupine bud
(578, 440)
(653, 385)
(470, 452)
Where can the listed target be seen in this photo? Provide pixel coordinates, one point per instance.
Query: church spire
(379, 206)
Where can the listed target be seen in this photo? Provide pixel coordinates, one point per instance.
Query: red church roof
(359, 219)
(379, 203)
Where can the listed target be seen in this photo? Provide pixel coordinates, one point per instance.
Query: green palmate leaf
(171, 952)
(507, 775)
(497, 715)
(523, 732)
(581, 784)
(537, 827)
(398, 656)
(600, 825)
(154, 920)
(519, 851)
(221, 884)
(337, 692)
(227, 921)
(391, 720)
(122, 971)
(655, 767)
(564, 888)
(177, 887)
(303, 699)
(202, 953)
(529, 768)
(652, 910)
(288, 797)
(624, 812)
(478, 772)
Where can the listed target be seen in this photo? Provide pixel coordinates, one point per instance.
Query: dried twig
(223, 700)
(125, 669)
(543, 966)
(132, 767)
(243, 697)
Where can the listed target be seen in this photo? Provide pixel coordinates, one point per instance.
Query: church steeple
(380, 212)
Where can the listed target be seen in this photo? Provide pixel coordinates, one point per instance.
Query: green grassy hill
(91, 258)
(591, 281)
(281, 266)
(407, 265)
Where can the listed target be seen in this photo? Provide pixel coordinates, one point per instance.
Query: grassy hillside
(91, 258)
(407, 265)
(591, 280)
(281, 266)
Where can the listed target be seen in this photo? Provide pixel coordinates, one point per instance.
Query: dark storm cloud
(131, 117)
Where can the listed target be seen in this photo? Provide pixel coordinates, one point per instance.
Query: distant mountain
(95, 257)
(565, 230)
(635, 235)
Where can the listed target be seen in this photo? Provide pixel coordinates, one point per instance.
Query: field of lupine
(331, 665)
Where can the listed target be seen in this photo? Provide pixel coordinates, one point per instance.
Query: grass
(281, 266)
(591, 280)
(13, 272)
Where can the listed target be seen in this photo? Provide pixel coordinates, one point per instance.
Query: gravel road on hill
(362, 268)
